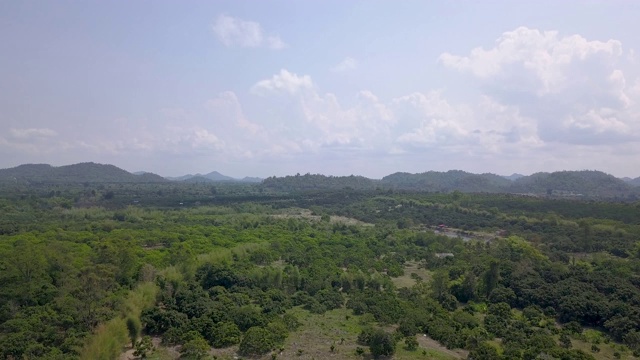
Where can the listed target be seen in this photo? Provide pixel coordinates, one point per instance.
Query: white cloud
(285, 81)
(364, 125)
(573, 88)
(534, 56)
(32, 133)
(233, 31)
(36, 141)
(544, 101)
(347, 64)
(429, 120)
(227, 109)
(407, 124)
(204, 138)
(275, 42)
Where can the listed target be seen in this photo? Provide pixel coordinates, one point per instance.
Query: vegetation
(92, 270)
(584, 184)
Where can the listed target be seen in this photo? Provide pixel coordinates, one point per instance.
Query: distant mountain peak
(633, 182)
(86, 172)
(213, 176)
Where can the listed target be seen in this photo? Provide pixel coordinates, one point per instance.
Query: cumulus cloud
(35, 141)
(227, 109)
(347, 64)
(318, 120)
(540, 94)
(233, 31)
(541, 57)
(407, 124)
(572, 87)
(285, 81)
(364, 125)
(430, 120)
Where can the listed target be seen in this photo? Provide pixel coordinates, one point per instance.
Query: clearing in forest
(407, 280)
(300, 213)
(340, 328)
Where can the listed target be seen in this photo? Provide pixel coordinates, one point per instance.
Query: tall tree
(491, 277)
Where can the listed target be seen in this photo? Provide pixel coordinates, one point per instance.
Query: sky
(264, 88)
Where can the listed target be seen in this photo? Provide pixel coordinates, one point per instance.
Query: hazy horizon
(241, 176)
(283, 87)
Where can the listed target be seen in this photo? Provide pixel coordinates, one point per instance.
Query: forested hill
(573, 183)
(447, 181)
(633, 182)
(213, 176)
(578, 184)
(316, 181)
(76, 173)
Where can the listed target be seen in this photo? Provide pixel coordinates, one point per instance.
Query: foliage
(133, 328)
(225, 334)
(195, 349)
(79, 272)
(143, 347)
(411, 343)
(256, 341)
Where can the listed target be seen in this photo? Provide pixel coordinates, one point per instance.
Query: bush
(256, 341)
(107, 341)
(291, 322)
(195, 349)
(381, 343)
(143, 347)
(365, 336)
(225, 334)
(411, 342)
(278, 331)
(133, 327)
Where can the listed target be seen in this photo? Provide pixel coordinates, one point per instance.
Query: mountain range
(77, 173)
(586, 183)
(574, 184)
(90, 172)
(213, 176)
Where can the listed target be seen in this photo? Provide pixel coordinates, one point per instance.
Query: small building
(443, 255)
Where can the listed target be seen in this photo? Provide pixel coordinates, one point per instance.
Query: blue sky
(261, 88)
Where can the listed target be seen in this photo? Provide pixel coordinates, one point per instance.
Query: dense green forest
(165, 270)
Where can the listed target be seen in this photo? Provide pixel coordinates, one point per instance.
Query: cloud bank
(545, 101)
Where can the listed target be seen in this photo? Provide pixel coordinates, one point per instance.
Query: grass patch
(318, 333)
(420, 353)
(340, 328)
(606, 352)
(406, 280)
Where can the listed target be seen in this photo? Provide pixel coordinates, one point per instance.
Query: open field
(411, 267)
(299, 213)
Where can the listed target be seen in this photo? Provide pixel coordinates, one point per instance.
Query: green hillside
(77, 173)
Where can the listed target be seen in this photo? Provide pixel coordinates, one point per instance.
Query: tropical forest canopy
(433, 265)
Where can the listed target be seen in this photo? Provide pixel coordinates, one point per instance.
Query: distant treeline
(586, 184)
(575, 184)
